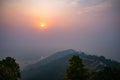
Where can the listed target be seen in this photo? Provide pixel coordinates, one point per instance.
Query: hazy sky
(91, 26)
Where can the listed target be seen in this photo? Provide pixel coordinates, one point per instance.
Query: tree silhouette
(108, 73)
(76, 70)
(9, 69)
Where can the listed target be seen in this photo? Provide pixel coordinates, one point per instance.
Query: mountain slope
(54, 66)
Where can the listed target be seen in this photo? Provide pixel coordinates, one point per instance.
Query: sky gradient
(91, 26)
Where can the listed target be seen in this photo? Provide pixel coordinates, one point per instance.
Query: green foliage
(9, 69)
(108, 73)
(76, 70)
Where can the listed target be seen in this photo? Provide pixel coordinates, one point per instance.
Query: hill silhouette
(54, 66)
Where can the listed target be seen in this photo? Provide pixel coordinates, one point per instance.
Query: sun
(43, 26)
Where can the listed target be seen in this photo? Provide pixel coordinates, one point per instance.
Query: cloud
(85, 3)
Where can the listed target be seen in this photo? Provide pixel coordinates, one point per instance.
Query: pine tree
(76, 70)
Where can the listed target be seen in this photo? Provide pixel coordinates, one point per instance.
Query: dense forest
(76, 70)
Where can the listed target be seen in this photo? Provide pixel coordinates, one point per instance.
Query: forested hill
(54, 66)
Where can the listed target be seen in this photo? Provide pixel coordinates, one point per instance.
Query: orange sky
(52, 12)
(89, 25)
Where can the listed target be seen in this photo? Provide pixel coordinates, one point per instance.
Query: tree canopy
(108, 73)
(76, 70)
(9, 69)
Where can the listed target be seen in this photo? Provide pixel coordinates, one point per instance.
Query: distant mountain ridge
(54, 66)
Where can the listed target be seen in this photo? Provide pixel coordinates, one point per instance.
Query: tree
(76, 70)
(9, 69)
(108, 73)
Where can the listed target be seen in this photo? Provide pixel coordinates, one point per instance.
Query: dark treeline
(77, 71)
(9, 70)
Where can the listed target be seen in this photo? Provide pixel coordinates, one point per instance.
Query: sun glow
(43, 26)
